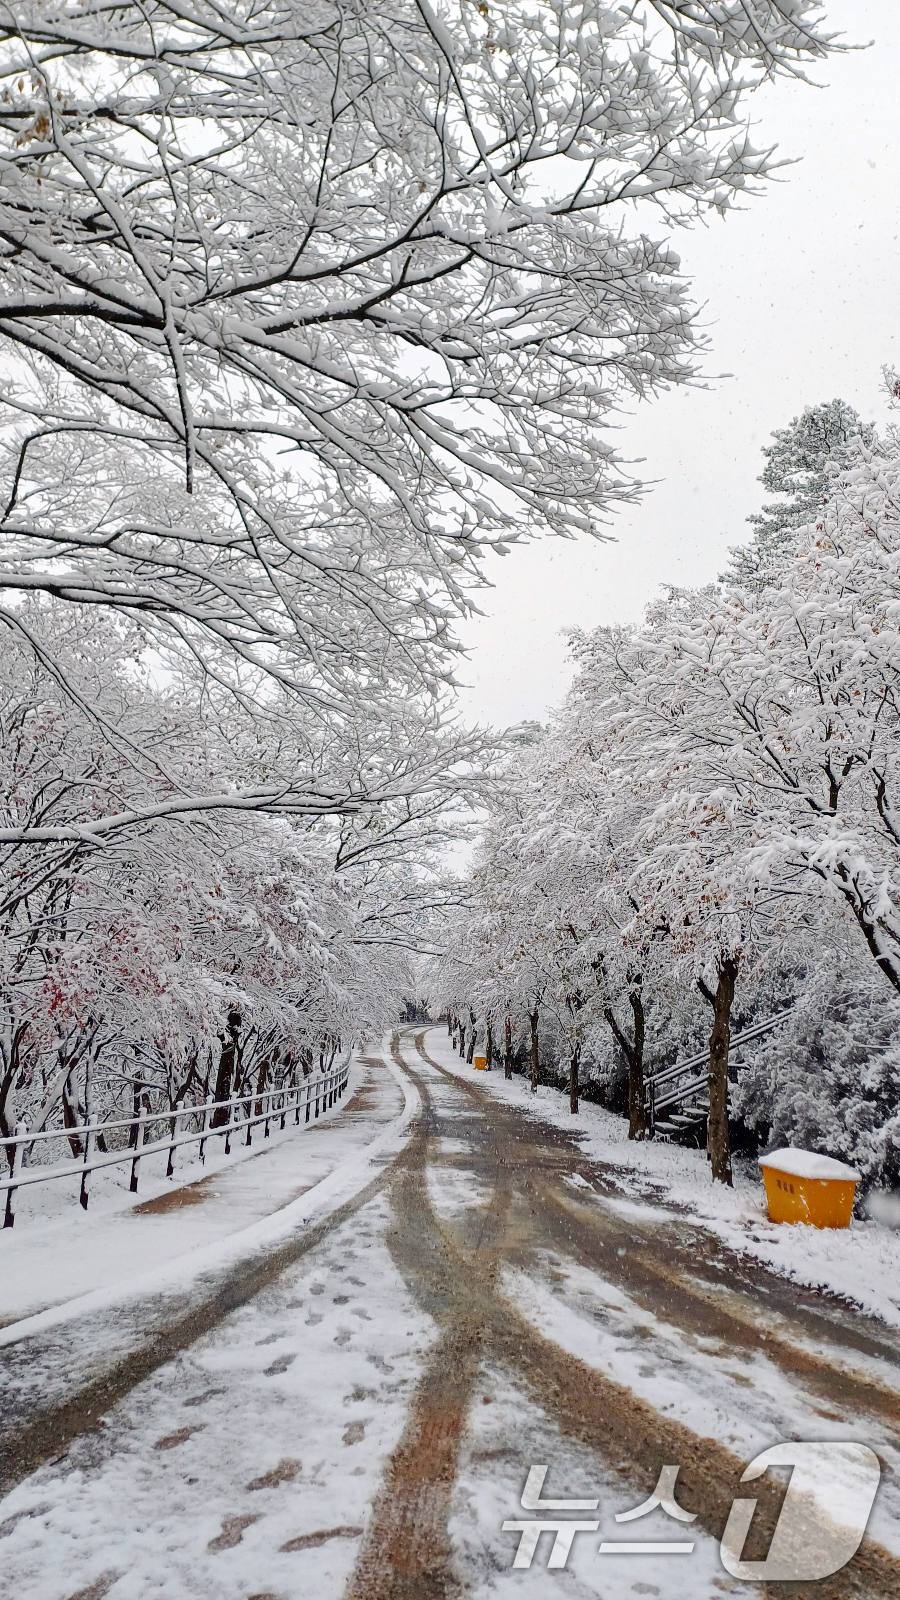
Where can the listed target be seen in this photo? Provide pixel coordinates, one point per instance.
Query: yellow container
(479, 1063)
(804, 1187)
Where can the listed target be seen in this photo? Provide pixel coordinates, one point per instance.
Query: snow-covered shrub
(829, 1078)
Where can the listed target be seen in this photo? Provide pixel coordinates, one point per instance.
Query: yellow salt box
(802, 1186)
(479, 1063)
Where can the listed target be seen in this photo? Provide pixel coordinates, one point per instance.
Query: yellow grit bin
(802, 1186)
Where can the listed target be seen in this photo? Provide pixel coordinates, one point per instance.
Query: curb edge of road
(340, 1185)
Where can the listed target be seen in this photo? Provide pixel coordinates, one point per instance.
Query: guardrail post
(318, 1092)
(9, 1219)
(249, 1105)
(206, 1114)
(268, 1100)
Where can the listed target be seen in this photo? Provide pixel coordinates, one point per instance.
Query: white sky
(801, 302)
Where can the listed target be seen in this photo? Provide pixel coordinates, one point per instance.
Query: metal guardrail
(244, 1112)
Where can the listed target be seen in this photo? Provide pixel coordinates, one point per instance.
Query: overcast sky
(801, 302)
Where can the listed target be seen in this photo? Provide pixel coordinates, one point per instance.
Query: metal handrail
(681, 1086)
(324, 1090)
(756, 1031)
(660, 1102)
(145, 1117)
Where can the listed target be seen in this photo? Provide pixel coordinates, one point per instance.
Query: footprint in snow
(285, 1472)
(170, 1440)
(232, 1532)
(311, 1541)
(281, 1365)
(201, 1399)
(100, 1587)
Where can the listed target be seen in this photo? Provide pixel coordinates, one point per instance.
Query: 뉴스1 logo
(819, 1528)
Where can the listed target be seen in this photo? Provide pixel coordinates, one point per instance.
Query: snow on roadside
(248, 1465)
(860, 1263)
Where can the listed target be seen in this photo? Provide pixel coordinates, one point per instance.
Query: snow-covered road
(359, 1423)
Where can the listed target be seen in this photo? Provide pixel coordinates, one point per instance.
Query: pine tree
(800, 465)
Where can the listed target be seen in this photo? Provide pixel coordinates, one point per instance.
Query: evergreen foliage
(801, 463)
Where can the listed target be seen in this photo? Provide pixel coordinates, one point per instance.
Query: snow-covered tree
(306, 304)
(801, 463)
(829, 1077)
(184, 956)
(713, 813)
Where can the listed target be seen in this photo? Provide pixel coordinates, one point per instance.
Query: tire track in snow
(407, 1553)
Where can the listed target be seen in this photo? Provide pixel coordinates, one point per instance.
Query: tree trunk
(533, 1024)
(507, 1048)
(462, 1041)
(489, 1045)
(574, 1060)
(717, 1140)
(449, 1025)
(633, 1051)
(637, 1118)
(70, 1118)
(470, 1047)
(225, 1074)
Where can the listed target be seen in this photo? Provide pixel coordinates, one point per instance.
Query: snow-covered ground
(72, 1260)
(743, 1400)
(248, 1466)
(488, 1489)
(860, 1263)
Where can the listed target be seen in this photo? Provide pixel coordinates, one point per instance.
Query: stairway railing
(670, 1088)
